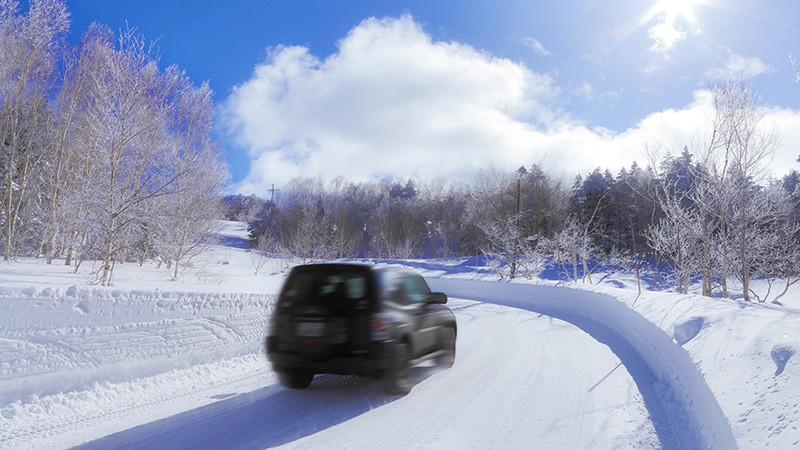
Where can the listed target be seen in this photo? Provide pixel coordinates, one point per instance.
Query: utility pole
(272, 193)
(635, 259)
(516, 231)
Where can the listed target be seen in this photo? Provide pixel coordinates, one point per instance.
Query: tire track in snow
(41, 363)
(513, 386)
(136, 402)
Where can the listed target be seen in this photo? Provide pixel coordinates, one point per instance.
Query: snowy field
(154, 363)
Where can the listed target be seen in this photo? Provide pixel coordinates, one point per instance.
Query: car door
(425, 326)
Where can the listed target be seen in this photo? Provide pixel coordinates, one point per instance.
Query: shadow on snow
(264, 418)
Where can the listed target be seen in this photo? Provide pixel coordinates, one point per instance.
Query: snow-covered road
(542, 367)
(521, 380)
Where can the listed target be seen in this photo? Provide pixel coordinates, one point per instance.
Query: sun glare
(669, 21)
(674, 9)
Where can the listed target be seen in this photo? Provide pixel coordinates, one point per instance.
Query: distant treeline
(712, 216)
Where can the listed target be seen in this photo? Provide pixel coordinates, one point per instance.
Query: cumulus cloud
(739, 68)
(391, 102)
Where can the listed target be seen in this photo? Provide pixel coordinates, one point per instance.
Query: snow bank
(57, 340)
(684, 410)
(747, 353)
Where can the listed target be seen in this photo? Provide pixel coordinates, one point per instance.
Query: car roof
(380, 270)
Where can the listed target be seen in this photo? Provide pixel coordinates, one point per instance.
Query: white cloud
(588, 92)
(739, 68)
(393, 103)
(390, 101)
(585, 90)
(537, 46)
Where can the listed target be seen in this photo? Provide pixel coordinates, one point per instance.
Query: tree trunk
(586, 274)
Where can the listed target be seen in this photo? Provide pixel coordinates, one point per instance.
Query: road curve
(683, 409)
(521, 380)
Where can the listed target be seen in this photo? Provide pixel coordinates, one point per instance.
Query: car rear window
(333, 283)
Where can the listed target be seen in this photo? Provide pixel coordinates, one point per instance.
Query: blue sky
(368, 89)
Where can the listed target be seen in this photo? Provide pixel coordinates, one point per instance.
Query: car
(358, 319)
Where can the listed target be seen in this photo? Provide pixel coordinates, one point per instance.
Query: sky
(439, 90)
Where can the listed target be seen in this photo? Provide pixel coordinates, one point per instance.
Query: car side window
(398, 292)
(416, 289)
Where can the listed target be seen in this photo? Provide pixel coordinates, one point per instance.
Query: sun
(676, 9)
(670, 21)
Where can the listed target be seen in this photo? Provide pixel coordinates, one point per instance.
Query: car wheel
(295, 379)
(448, 357)
(397, 382)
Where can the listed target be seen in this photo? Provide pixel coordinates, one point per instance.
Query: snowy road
(536, 367)
(521, 380)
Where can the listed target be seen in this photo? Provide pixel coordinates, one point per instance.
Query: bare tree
(740, 147)
(444, 213)
(725, 216)
(100, 167)
(304, 226)
(69, 159)
(28, 51)
(495, 209)
(773, 252)
(259, 254)
(151, 167)
(193, 175)
(516, 213)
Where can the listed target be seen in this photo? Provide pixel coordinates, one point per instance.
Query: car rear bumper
(369, 363)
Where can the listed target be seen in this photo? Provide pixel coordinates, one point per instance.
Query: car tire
(295, 379)
(397, 381)
(448, 357)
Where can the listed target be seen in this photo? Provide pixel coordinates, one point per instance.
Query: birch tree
(742, 145)
(515, 213)
(71, 163)
(28, 56)
(193, 175)
(147, 136)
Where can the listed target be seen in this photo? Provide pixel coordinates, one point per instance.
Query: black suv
(354, 319)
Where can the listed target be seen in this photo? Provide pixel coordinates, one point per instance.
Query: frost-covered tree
(774, 252)
(149, 175)
(726, 216)
(125, 135)
(111, 163)
(71, 163)
(444, 215)
(572, 248)
(349, 207)
(743, 145)
(303, 225)
(514, 213)
(189, 200)
(29, 45)
(400, 222)
(680, 238)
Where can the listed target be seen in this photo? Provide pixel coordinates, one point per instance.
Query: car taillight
(380, 327)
